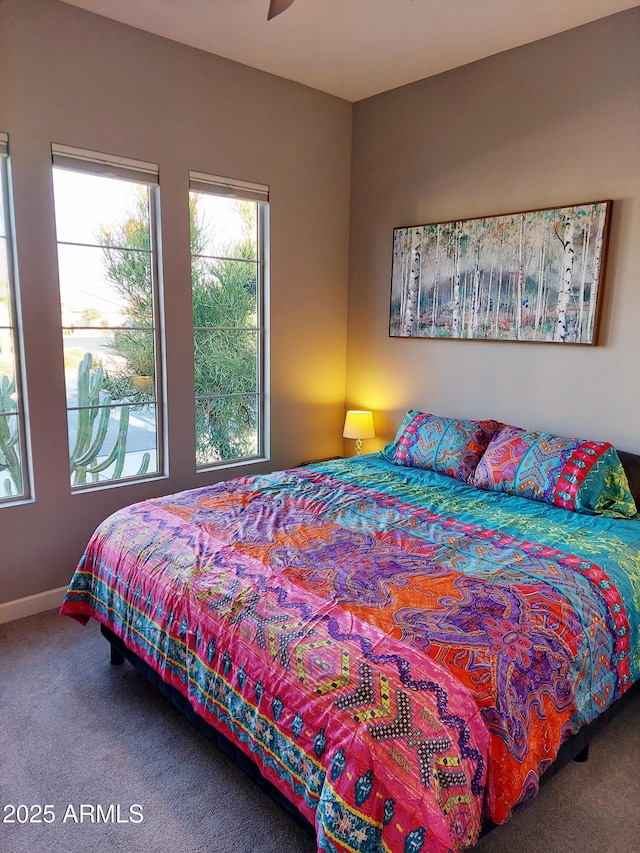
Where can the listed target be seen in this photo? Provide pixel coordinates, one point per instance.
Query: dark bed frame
(576, 748)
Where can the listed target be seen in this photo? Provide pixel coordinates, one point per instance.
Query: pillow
(447, 445)
(581, 476)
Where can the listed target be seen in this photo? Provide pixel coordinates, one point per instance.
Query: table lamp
(358, 425)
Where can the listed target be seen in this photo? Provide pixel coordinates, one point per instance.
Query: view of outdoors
(106, 269)
(224, 277)
(11, 456)
(105, 257)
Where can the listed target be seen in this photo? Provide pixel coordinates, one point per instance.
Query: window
(106, 222)
(228, 238)
(14, 483)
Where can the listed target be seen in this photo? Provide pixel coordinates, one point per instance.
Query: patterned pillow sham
(581, 476)
(449, 446)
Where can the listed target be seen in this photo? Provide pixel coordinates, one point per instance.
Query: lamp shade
(358, 424)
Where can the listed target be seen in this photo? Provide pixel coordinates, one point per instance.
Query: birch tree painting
(533, 276)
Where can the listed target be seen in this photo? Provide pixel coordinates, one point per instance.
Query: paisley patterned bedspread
(401, 654)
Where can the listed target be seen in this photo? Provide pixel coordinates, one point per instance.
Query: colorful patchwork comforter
(400, 653)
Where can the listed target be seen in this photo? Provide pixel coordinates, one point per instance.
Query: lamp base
(358, 446)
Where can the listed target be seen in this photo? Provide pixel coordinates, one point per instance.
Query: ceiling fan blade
(277, 6)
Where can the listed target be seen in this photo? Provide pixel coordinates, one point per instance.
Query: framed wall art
(530, 276)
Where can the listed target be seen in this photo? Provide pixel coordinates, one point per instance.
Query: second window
(228, 223)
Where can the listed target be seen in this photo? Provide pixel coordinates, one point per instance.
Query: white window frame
(202, 182)
(132, 171)
(16, 332)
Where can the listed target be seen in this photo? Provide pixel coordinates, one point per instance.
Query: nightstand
(324, 459)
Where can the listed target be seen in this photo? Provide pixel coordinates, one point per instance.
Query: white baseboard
(31, 604)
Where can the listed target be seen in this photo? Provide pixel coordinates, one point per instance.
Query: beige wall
(552, 123)
(78, 79)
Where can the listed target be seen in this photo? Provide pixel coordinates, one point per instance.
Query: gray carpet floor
(75, 730)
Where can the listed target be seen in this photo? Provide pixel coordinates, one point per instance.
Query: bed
(402, 642)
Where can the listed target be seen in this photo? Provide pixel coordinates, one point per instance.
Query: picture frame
(532, 276)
